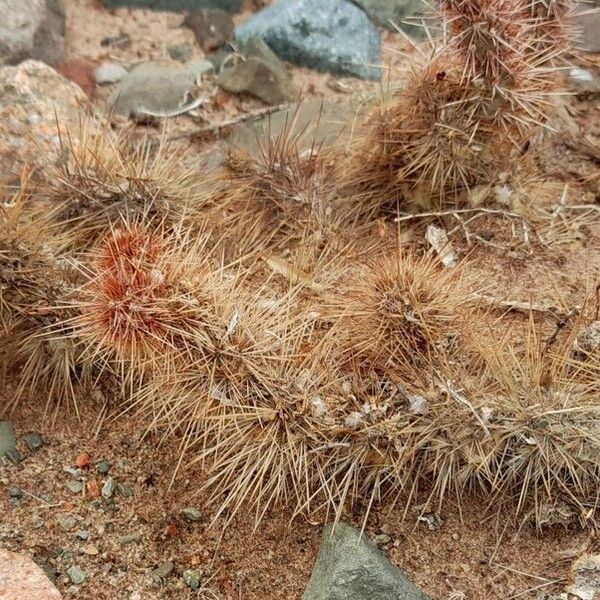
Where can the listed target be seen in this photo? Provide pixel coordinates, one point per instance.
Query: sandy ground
(475, 555)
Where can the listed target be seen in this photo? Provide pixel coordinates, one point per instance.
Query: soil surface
(123, 543)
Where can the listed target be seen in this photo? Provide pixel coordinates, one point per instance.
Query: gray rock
(67, 522)
(326, 35)
(75, 487)
(191, 579)
(230, 6)
(589, 25)
(82, 534)
(388, 13)
(350, 567)
(76, 575)
(8, 440)
(108, 489)
(163, 570)
(130, 538)
(15, 492)
(34, 441)
(103, 467)
(192, 514)
(257, 78)
(261, 74)
(180, 52)
(109, 73)
(124, 490)
(211, 26)
(32, 29)
(152, 89)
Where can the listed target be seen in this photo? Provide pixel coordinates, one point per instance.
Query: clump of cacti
(197, 298)
(472, 104)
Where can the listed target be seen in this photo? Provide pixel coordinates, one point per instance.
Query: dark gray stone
(212, 27)
(131, 538)
(351, 567)
(8, 441)
(261, 74)
(327, 35)
(32, 29)
(34, 441)
(103, 467)
(230, 6)
(388, 13)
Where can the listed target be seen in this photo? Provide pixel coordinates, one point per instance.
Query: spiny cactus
(471, 105)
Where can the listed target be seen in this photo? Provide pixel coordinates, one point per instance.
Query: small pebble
(191, 579)
(163, 570)
(108, 489)
(82, 534)
(15, 492)
(38, 523)
(191, 514)
(76, 575)
(124, 490)
(90, 550)
(103, 467)
(68, 522)
(75, 487)
(34, 441)
(132, 538)
(382, 539)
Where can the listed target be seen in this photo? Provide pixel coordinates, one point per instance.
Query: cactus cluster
(267, 319)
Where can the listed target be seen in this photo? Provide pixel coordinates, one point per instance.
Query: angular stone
(8, 441)
(257, 78)
(34, 441)
(154, 88)
(76, 575)
(326, 35)
(192, 514)
(350, 567)
(109, 487)
(32, 29)
(33, 97)
(261, 74)
(22, 579)
(191, 579)
(230, 6)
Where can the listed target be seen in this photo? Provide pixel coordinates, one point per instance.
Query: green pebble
(191, 579)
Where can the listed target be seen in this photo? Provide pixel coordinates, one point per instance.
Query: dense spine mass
(266, 318)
